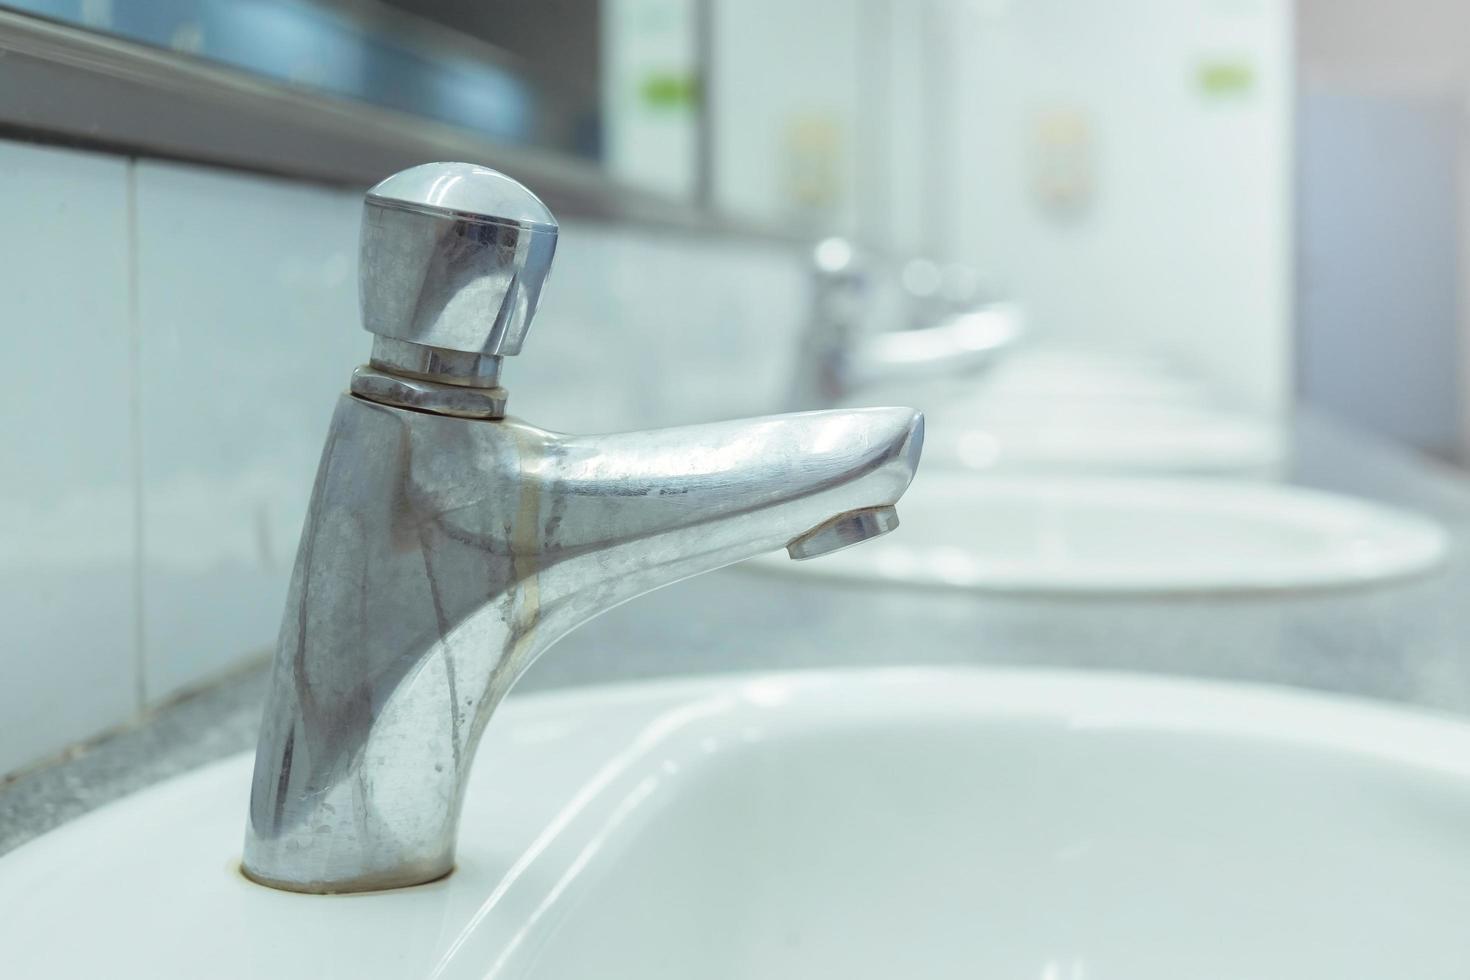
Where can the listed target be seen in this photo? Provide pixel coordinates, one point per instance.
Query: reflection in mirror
(520, 74)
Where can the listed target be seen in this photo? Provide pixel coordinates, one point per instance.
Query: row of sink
(879, 823)
(1074, 472)
(853, 823)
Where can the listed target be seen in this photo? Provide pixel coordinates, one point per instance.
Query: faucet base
(382, 883)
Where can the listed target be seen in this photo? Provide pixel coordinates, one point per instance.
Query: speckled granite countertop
(1407, 642)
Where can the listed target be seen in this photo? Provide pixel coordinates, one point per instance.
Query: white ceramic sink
(1076, 376)
(1074, 410)
(1107, 437)
(1130, 535)
(902, 823)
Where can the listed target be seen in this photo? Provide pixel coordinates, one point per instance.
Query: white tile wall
(68, 651)
(247, 331)
(649, 329)
(247, 298)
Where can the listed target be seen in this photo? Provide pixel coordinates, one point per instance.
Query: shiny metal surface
(442, 555)
(435, 363)
(842, 354)
(477, 192)
(844, 531)
(437, 272)
(420, 395)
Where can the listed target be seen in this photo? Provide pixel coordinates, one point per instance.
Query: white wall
(786, 109)
(68, 500)
(178, 338)
(833, 113)
(903, 171)
(1180, 236)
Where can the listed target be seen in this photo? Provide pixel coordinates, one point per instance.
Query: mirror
(519, 74)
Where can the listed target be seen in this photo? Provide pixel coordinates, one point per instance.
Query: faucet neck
(432, 379)
(438, 364)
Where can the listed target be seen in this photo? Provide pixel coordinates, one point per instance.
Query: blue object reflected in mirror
(370, 52)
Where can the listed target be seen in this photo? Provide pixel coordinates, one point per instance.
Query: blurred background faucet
(948, 328)
(448, 545)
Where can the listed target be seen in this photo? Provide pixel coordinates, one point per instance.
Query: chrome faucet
(448, 545)
(841, 354)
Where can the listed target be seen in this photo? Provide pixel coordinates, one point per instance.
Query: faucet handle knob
(453, 256)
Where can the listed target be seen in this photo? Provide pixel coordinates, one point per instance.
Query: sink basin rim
(1393, 545)
(731, 704)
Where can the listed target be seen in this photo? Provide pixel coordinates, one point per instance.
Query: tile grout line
(135, 428)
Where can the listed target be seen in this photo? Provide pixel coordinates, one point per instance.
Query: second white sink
(1124, 439)
(1131, 535)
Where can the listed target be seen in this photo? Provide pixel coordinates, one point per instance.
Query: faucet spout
(442, 555)
(841, 352)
